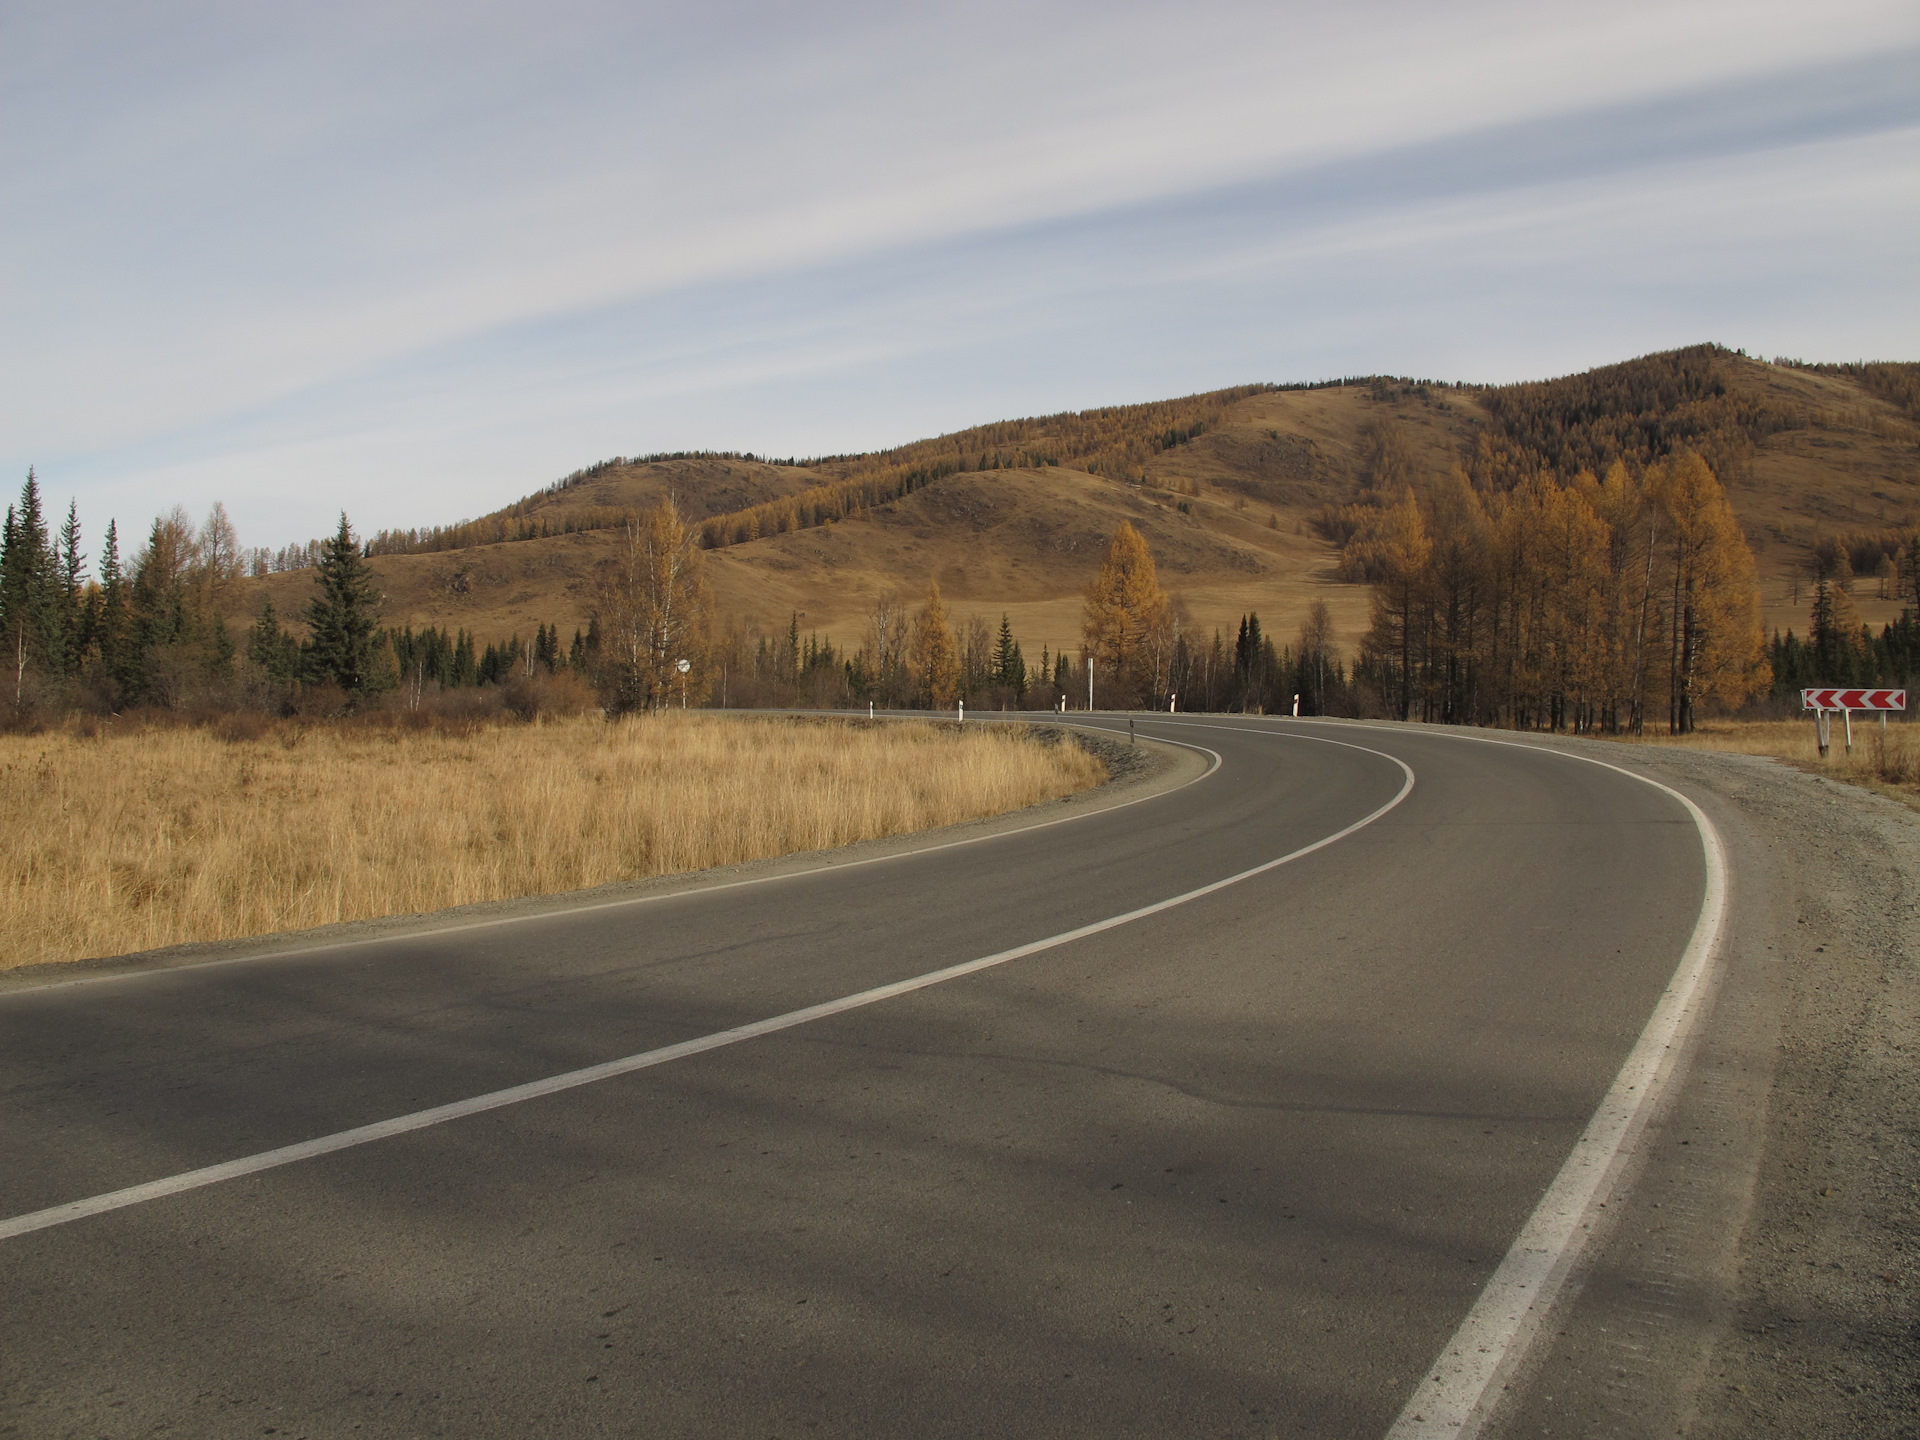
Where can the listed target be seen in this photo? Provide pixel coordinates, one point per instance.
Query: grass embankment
(126, 842)
(1886, 760)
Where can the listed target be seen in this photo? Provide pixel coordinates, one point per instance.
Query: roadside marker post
(1828, 700)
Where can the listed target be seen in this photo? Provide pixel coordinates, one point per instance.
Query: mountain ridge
(1232, 489)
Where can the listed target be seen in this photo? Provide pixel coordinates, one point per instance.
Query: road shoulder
(1759, 1275)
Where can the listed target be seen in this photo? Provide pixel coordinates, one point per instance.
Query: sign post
(1826, 701)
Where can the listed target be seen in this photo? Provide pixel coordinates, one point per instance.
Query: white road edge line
(498, 1099)
(563, 911)
(1459, 1395)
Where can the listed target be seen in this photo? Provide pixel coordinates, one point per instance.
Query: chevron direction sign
(1853, 699)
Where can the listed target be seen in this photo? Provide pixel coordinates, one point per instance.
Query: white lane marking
(533, 1090)
(1459, 1397)
(564, 911)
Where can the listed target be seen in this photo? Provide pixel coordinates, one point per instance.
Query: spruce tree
(1007, 669)
(70, 594)
(465, 670)
(272, 648)
(340, 621)
(113, 624)
(28, 583)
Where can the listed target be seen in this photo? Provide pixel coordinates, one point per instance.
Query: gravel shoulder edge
(1759, 1273)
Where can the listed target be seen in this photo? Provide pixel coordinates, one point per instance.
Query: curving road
(1239, 1166)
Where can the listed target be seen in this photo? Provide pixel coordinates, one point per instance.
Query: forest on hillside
(1580, 569)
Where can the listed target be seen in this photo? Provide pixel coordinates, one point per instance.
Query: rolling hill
(1227, 488)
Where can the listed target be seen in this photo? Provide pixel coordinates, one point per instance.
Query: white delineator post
(963, 712)
(1089, 682)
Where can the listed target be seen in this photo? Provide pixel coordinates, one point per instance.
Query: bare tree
(653, 612)
(888, 626)
(1313, 654)
(976, 656)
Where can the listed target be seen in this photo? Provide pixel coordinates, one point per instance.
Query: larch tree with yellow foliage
(1716, 648)
(936, 663)
(1124, 613)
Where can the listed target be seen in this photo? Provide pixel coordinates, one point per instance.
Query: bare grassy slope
(1026, 540)
(1854, 467)
(702, 485)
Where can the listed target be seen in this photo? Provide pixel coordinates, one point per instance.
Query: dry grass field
(133, 841)
(1886, 760)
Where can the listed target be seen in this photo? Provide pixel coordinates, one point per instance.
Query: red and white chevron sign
(1853, 699)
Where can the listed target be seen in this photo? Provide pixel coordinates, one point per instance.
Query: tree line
(1589, 604)
(150, 629)
(1839, 648)
(160, 629)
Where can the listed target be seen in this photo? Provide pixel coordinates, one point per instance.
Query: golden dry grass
(1888, 759)
(131, 842)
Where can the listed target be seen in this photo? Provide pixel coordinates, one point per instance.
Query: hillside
(1226, 487)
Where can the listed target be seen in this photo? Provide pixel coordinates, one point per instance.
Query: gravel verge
(1759, 1277)
(1822, 1336)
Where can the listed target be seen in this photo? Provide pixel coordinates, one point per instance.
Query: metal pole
(1849, 715)
(1820, 731)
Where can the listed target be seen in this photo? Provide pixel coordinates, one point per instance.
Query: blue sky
(415, 260)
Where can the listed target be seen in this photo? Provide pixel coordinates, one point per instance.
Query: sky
(416, 260)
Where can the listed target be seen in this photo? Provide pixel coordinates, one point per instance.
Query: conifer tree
(1009, 667)
(1400, 556)
(466, 671)
(936, 664)
(1717, 647)
(113, 625)
(28, 584)
(71, 593)
(271, 648)
(341, 618)
(1123, 608)
(1252, 673)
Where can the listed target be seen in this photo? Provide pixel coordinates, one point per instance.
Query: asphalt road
(1239, 1167)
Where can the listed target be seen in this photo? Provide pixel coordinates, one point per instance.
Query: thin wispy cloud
(416, 260)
